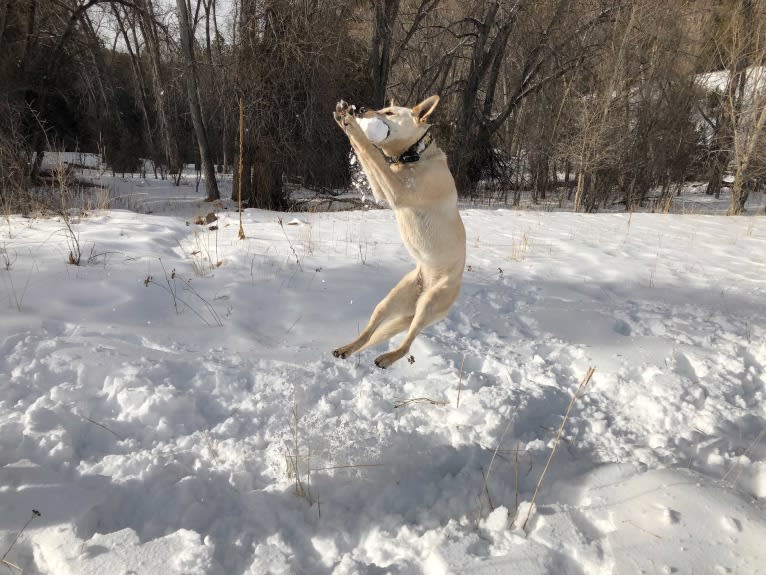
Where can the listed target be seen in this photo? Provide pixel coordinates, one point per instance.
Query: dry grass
(15, 296)
(178, 288)
(306, 238)
(295, 460)
(204, 255)
(520, 247)
(666, 204)
(290, 243)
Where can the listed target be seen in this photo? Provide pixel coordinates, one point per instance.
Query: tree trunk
(3, 17)
(715, 174)
(739, 194)
(741, 188)
(732, 103)
(582, 192)
(195, 108)
(138, 78)
(385, 13)
(149, 32)
(29, 41)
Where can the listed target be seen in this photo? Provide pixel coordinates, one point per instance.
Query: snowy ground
(171, 406)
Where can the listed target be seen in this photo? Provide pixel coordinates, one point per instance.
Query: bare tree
(293, 62)
(632, 110)
(602, 90)
(150, 31)
(394, 24)
(132, 47)
(745, 98)
(488, 57)
(192, 92)
(735, 113)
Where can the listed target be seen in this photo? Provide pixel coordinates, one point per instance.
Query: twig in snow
(576, 394)
(629, 522)
(516, 476)
(491, 462)
(293, 325)
(102, 426)
(486, 490)
(739, 459)
(460, 382)
(406, 402)
(35, 513)
(349, 466)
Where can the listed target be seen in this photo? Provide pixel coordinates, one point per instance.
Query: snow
(53, 160)
(172, 406)
(718, 80)
(374, 128)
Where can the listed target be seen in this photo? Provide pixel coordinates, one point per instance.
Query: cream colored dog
(406, 168)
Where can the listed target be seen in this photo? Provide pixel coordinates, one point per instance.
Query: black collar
(412, 154)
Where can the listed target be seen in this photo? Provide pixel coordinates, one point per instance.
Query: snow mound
(173, 405)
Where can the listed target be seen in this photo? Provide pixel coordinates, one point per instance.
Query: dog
(407, 169)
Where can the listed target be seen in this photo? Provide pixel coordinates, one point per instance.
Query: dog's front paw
(344, 116)
(343, 107)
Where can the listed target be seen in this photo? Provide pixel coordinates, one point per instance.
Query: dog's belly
(434, 236)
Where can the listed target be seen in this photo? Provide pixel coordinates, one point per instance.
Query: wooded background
(604, 101)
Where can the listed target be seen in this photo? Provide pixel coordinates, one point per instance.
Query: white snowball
(375, 129)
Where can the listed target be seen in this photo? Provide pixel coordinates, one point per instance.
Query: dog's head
(396, 128)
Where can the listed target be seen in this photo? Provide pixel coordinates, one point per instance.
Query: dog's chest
(421, 231)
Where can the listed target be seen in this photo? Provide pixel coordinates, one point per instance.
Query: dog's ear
(425, 108)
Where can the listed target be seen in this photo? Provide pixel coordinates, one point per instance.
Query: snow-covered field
(172, 406)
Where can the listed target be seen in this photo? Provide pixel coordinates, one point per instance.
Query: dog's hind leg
(396, 308)
(432, 305)
(387, 330)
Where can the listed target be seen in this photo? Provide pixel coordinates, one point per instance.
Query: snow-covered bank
(161, 406)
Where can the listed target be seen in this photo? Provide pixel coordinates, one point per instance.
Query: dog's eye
(388, 113)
